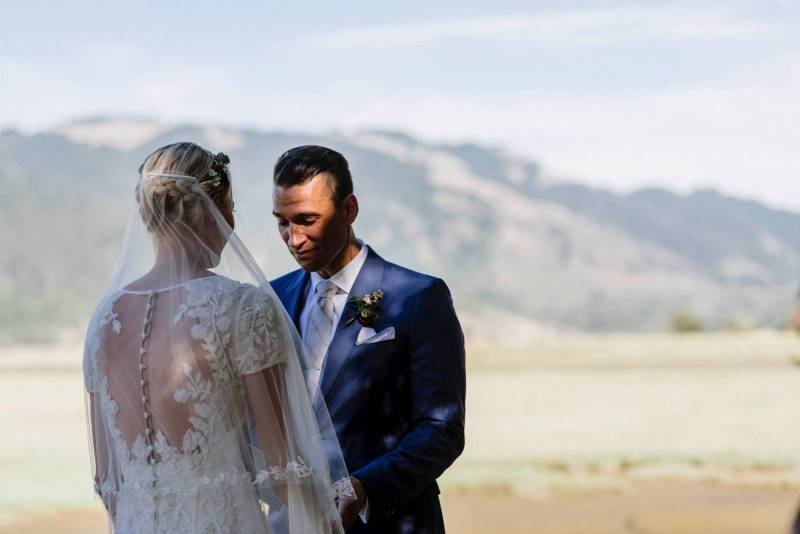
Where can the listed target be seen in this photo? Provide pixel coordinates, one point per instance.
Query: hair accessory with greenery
(215, 173)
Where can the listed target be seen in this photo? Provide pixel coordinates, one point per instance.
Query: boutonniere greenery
(369, 307)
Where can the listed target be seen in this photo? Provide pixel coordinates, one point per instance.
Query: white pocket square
(368, 335)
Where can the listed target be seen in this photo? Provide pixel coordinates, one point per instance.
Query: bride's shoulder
(104, 310)
(251, 293)
(219, 282)
(213, 284)
(232, 291)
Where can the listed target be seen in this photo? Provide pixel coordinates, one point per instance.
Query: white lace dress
(192, 425)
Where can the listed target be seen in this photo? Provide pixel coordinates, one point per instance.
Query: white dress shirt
(344, 280)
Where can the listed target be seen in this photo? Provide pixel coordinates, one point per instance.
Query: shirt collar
(345, 278)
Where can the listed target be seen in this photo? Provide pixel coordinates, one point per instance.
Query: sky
(619, 95)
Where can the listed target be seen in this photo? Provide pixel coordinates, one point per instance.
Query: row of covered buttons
(148, 421)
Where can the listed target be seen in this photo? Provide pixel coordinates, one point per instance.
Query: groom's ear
(350, 208)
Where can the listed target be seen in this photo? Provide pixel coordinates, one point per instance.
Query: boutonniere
(369, 307)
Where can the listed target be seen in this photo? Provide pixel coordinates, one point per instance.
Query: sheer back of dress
(148, 363)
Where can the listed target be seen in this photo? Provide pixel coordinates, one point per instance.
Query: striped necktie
(319, 331)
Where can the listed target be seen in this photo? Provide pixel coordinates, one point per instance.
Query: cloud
(566, 29)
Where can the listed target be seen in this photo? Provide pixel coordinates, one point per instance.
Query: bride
(199, 416)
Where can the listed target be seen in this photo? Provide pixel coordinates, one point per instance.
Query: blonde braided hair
(172, 185)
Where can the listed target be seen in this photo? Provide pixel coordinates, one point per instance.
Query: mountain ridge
(509, 241)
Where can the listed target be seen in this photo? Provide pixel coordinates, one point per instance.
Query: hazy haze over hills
(515, 247)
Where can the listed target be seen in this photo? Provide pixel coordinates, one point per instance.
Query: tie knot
(326, 289)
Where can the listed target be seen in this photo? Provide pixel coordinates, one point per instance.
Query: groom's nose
(296, 236)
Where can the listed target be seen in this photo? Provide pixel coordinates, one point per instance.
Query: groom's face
(314, 229)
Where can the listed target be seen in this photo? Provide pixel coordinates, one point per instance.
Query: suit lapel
(369, 279)
(295, 294)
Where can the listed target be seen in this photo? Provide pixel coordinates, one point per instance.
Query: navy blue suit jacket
(397, 406)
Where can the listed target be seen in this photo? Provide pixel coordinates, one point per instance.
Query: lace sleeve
(104, 315)
(257, 341)
(89, 370)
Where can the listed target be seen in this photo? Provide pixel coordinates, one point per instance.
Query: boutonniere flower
(369, 307)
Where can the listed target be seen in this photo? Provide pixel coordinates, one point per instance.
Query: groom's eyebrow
(297, 215)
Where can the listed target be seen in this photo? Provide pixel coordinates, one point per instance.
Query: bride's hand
(349, 512)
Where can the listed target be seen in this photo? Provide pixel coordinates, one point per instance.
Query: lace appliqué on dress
(103, 316)
(256, 336)
(294, 469)
(209, 302)
(343, 488)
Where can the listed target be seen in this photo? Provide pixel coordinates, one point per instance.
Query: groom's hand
(349, 512)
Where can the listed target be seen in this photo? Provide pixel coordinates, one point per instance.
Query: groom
(393, 381)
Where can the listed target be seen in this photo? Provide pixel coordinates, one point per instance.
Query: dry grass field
(573, 434)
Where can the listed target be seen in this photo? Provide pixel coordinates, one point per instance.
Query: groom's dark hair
(300, 164)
